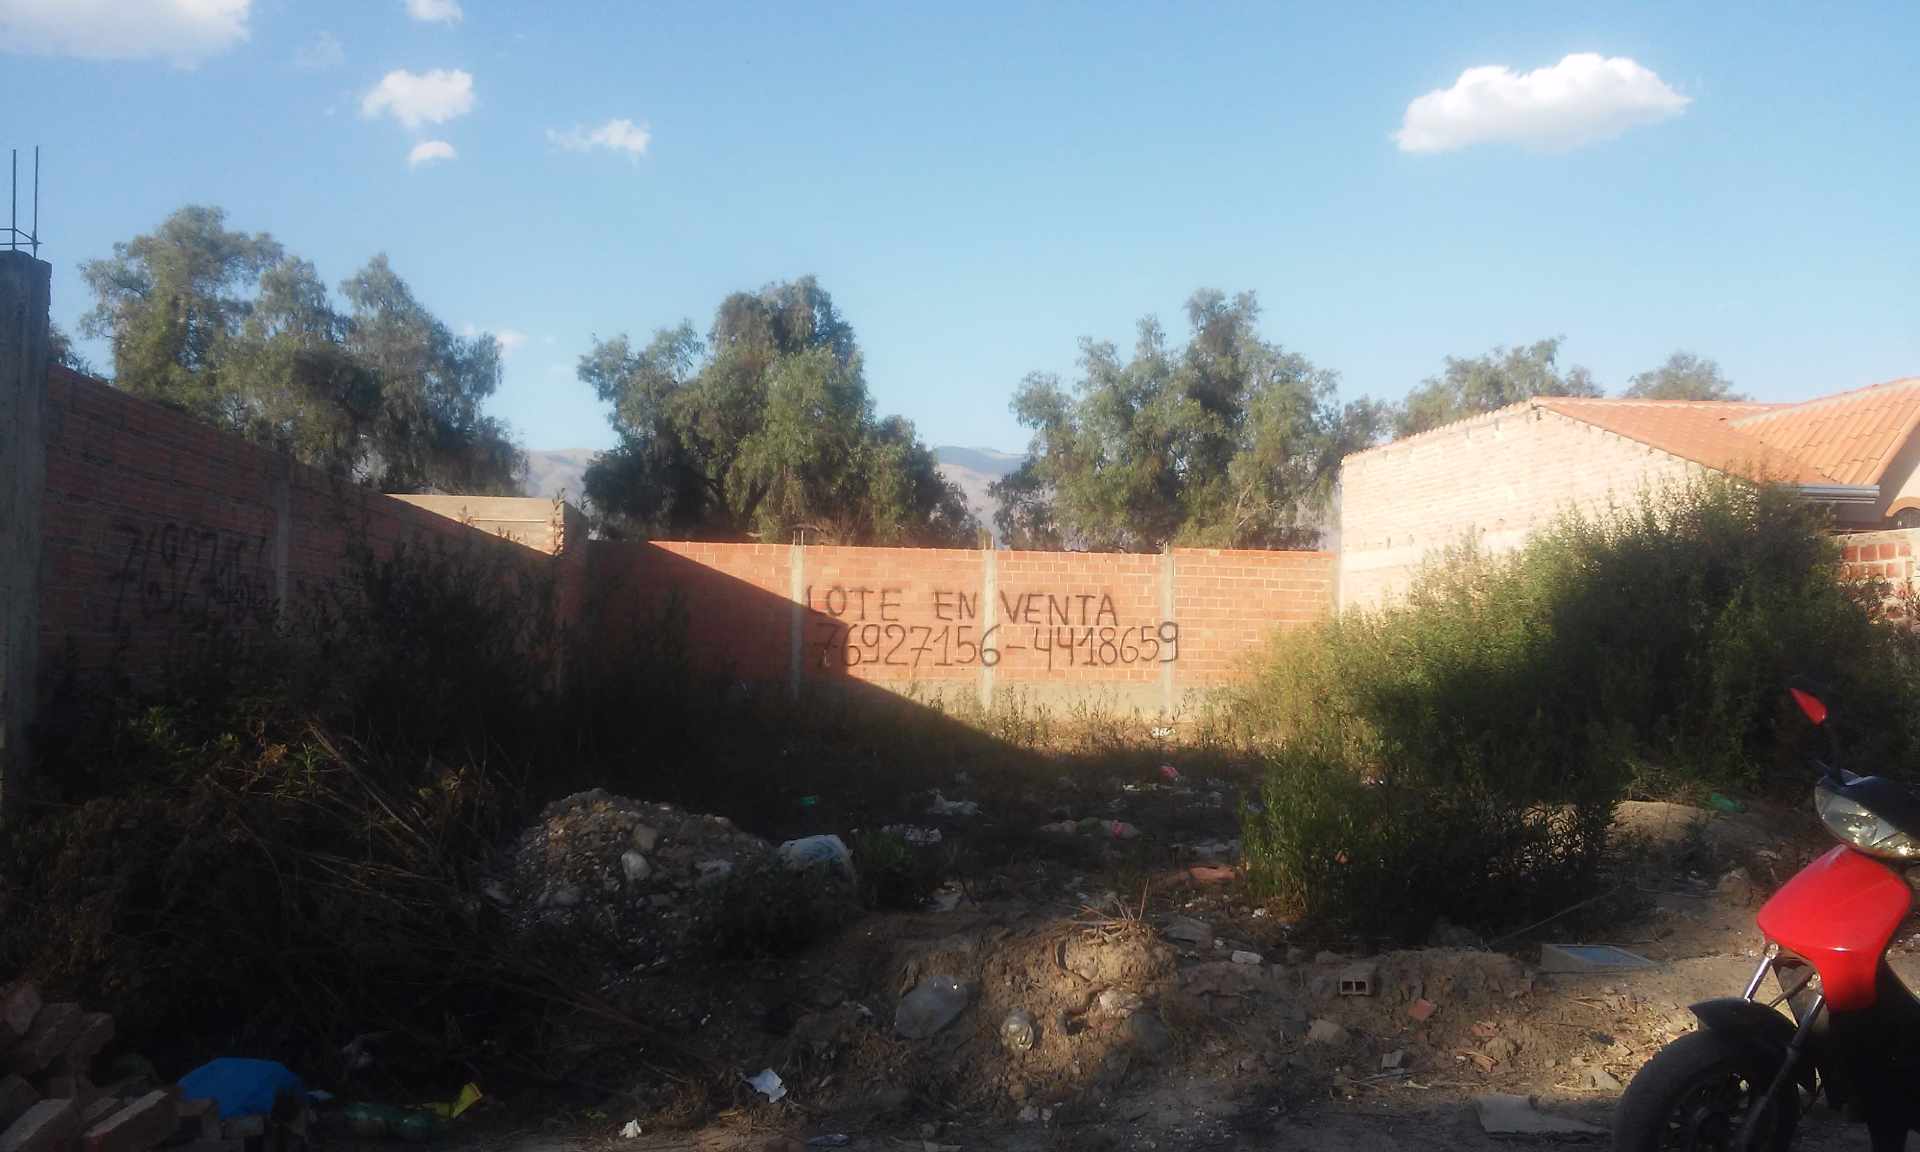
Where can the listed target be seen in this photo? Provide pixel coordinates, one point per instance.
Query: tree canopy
(1684, 376)
(762, 430)
(1227, 440)
(1469, 386)
(230, 327)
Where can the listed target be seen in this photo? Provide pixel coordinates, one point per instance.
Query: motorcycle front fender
(1757, 1028)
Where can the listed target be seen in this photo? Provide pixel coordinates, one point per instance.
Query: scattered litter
(809, 801)
(768, 1084)
(914, 834)
(931, 1006)
(1016, 1031)
(1505, 1115)
(468, 1096)
(1162, 731)
(947, 897)
(1603, 1080)
(631, 1131)
(1242, 956)
(1208, 874)
(1187, 930)
(1565, 958)
(1726, 803)
(1170, 772)
(1422, 1009)
(941, 806)
(1121, 830)
(812, 851)
(1392, 1060)
(1119, 1002)
(1360, 979)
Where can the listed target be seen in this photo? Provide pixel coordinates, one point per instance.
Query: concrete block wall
(540, 524)
(1494, 479)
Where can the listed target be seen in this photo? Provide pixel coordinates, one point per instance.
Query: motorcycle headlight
(1857, 825)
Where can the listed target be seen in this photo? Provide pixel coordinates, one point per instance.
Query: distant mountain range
(559, 470)
(551, 472)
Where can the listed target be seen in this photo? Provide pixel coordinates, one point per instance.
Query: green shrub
(1459, 753)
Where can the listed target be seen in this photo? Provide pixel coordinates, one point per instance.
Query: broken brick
(45, 1127)
(1422, 1009)
(16, 1096)
(54, 1028)
(138, 1126)
(18, 1006)
(96, 1032)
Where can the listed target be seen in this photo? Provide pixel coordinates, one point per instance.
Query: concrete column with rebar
(24, 296)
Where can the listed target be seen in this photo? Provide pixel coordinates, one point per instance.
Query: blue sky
(979, 185)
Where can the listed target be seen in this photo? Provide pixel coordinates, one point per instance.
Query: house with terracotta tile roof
(1496, 477)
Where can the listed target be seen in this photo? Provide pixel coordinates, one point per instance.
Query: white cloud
(613, 136)
(1584, 98)
(183, 31)
(435, 11)
(430, 151)
(509, 339)
(325, 52)
(416, 98)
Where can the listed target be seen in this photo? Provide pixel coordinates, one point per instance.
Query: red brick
(45, 1127)
(138, 1126)
(96, 1032)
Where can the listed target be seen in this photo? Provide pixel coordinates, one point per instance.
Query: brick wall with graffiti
(1129, 630)
(160, 532)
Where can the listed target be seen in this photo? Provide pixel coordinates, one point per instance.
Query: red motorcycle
(1853, 1034)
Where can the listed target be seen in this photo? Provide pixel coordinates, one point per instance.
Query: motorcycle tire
(1690, 1095)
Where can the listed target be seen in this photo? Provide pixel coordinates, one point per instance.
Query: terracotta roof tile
(1852, 437)
(1701, 431)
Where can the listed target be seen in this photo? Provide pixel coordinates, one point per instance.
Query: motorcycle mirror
(1811, 705)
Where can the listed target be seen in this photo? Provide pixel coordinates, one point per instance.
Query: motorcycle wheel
(1694, 1094)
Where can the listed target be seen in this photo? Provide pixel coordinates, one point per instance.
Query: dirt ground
(1169, 1012)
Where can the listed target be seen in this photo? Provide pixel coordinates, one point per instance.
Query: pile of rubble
(50, 1103)
(636, 879)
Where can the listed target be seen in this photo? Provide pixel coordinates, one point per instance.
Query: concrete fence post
(1169, 690)
(25, 285)
(989, 619)
(797, 617)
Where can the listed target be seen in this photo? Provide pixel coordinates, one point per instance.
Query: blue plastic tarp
(240, 1087)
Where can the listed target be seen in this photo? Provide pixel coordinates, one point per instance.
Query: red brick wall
(159, 528)
(967, 620)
